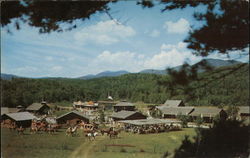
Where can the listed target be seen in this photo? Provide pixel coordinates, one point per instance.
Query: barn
(244, 114)
(208, 113)
(127, 106)
(172, 112)
(38, 108)
(20, 118)
(6, 110)
(174, 103)
(72, 118)
(127, 115)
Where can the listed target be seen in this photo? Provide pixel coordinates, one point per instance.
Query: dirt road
(85, 148)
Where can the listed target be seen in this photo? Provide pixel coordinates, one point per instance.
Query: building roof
(124, 114)
(35, 106)
(6, 110)
(175, 110)
(21, 116)
(149, 121)
(87, 104)
(50, 120)
(78, 103)
(173, 103)
(124, 104)
(74, 112)
(206, 111)
(244, 109)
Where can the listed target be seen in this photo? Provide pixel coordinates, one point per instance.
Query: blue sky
(139, 39)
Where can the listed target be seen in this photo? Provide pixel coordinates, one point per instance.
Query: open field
(58, 145)
(38, 145)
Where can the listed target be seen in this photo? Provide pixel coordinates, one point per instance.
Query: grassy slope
(154, 145)
(60, 146)
(38, 145)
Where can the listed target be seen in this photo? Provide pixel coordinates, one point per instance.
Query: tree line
(231, 89)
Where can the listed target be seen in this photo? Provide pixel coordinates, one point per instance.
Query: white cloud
(22, 71)
(180, 45)
(104, 32)
(181, 26)
(118, 61)
(242, 56)
(56, 68)
(169, 56)
(48, 58)
(154, 33)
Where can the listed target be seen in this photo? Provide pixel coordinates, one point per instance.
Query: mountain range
(213, 63)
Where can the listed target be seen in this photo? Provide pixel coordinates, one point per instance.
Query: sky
(137, 39)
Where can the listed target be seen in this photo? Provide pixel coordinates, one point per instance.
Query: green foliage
(209, 90)
(232, 112)
(102, 116)
(226, 139)
(156, 113)
(184, 119)
(199, 120)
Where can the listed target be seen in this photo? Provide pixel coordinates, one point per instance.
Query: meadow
(40, 145)
(60, 146)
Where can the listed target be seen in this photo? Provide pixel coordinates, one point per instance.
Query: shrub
(123, 150)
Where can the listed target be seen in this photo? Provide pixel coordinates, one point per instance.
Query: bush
(123, 150)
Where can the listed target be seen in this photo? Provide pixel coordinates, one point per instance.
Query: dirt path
(83, 150)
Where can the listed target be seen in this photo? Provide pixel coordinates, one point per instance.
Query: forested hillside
(223, 86)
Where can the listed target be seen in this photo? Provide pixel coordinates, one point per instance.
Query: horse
(91, 135)
(113, 134)
(71, 131)
(20, 130)
(51, 129)
(103, 131)
(12, 127)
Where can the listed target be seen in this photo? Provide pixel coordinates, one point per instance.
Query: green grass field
(150, 145)
(38, 145)
(60, 146)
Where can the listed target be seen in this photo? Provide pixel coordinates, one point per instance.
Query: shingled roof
(149, 121)
(175, 110)
(173, 103)
(124, 104)
(35, 106)
(244, 109)
(21, 116)
(6, 110)
(75, 112)
(206, 111)
(123, 114)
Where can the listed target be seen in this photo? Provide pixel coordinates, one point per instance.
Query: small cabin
(208, 113)
(72, 118)
(126, 106)
(174, 103)
(39, 108)
(23, 119)
(127, 115)
(173, 112)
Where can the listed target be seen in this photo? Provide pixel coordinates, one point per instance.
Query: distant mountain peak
(105, 74)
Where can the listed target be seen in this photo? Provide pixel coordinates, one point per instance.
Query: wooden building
(174, 103)
(20, 118)
(107, 105)
(38, 108)
(6, 110)
(128, 115)
(127, 106)
(208, 113)
(172, 112)
(85, 105)
(244, 114)
(72, 118)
